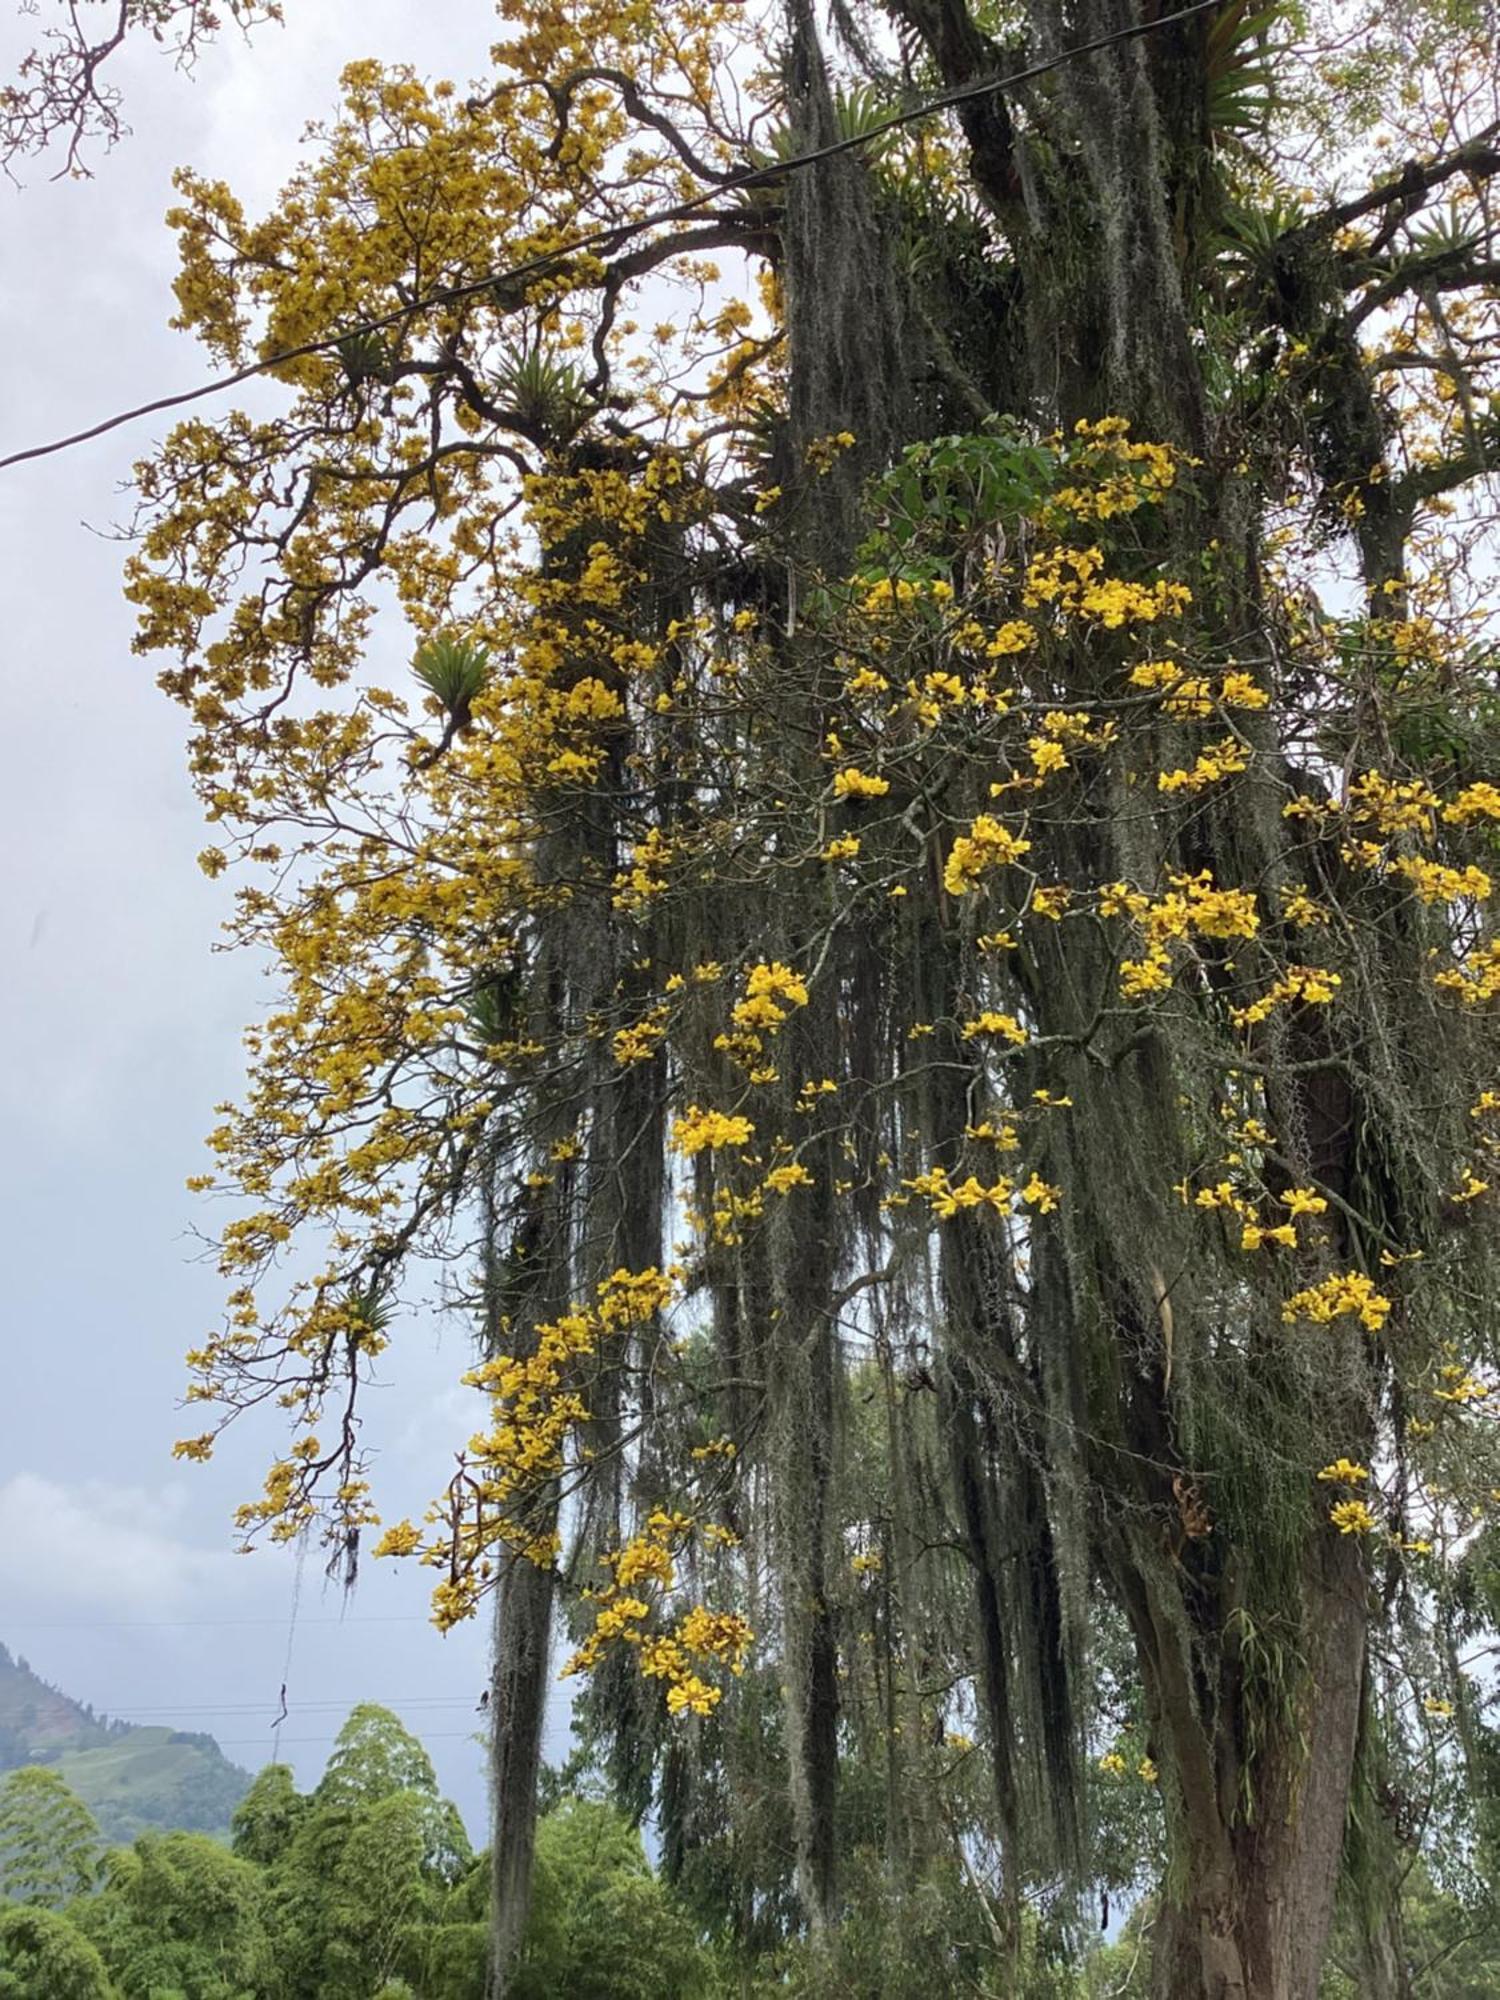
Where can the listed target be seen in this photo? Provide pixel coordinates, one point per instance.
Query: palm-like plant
(454, 670)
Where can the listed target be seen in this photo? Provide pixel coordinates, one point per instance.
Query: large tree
(49, 1840)
(922, 942)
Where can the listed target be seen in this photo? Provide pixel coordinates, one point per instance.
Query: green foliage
(939, 1931)
(42, 1957)
(548, 395)
(952, 487)
(603, 1926)
(360, 1873)
(49, 1841)
(267, 1818)
(453, 670)
(373, 1756)
(180, 1914)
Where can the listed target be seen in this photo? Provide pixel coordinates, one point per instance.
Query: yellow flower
(697, 1131)
(400, 1539)
(1344, 1472)
(1256, 1234)
(1041, 1195)
(1351, 1293)
(692, 1696)
(1304, 1201)
(991, 1023)
(855, 784)
(1237, 690)
(988, 844)
(1352, 1517)
(770, 992)
(1140, 976)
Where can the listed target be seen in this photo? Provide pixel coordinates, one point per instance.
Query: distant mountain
(134, 1780)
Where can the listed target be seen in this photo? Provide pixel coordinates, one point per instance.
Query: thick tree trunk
(1259, 1846)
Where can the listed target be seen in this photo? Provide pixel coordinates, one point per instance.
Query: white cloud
(114, 1550)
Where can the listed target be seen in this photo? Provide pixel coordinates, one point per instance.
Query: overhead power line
(617, 234)
(157, 1624)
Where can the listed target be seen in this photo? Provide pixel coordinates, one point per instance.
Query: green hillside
(37, 1722)
(134, 1779)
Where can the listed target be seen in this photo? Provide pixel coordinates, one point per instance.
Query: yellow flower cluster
(1191, 697)
(1477, 979)
(698, 1131)
(1113, 1765)
(1392, 805)
(634, 1298)
(771, 991)
(640, 1041)
(1225, 759)
(1073, 582)
(1194, 907)
(700, 1637)
(1348, 1293)
(1435, 882)
(1254, 1234)
(1122, 475)
(1308, 983)
(949, 1198)
(988, 844)
(1344, 1472)
(1005, 1027)
(646, 875)
(1459, 1385)
(852, 783)
(536, 1409)
(1481, 801)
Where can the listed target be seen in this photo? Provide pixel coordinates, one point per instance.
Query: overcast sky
(120, 1022)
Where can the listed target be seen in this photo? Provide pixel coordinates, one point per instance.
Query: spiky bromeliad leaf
(1241, 72)
(492, 1006)
(365, 356)
(549, 394)
(454, 670)
(369, 1311)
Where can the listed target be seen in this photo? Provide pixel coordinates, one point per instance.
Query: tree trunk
(518, 1700)
(1259, 1843)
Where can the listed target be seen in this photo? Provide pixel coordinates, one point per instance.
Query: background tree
(602, 1925)
(42, 1957)
(49, 1842)
(362, 1865)
(177, 1913)
(266, 1819)
(374, 1755)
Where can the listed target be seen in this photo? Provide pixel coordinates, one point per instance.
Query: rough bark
(1247, 1913)
(518, 1702)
